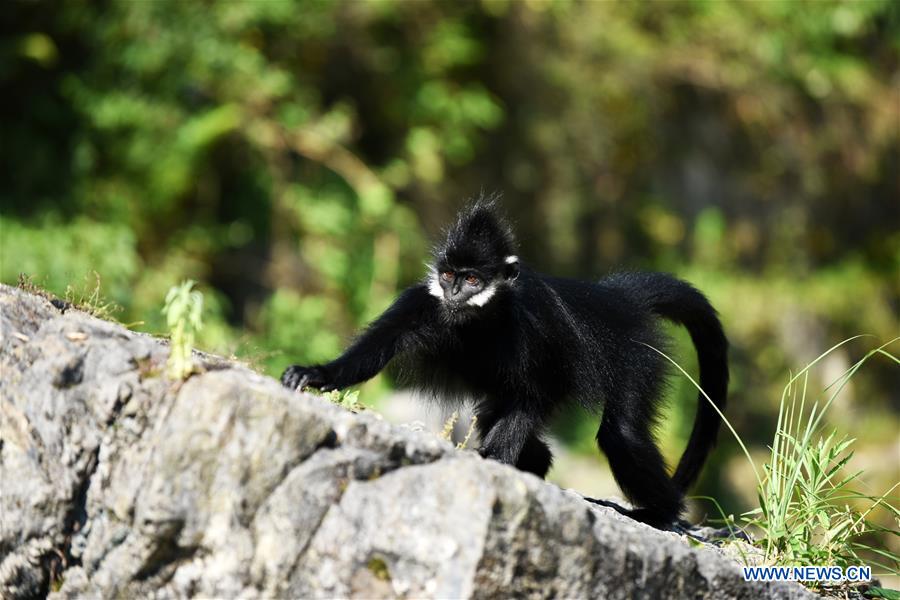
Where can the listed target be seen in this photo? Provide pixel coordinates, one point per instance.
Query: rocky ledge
(115, 482)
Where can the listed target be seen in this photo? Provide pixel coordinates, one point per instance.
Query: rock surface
(115, 482)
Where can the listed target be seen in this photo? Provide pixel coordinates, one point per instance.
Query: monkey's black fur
(522, 345)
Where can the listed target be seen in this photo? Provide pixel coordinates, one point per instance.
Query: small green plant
(183, 311)
(465, 440)
(26, 283)
(807, 511)
(447, 431)
(348, 399)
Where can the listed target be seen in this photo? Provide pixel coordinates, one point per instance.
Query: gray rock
(115, 482)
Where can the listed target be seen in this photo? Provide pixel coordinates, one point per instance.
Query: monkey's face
(464, 290)
(474, 264)
(464, 287)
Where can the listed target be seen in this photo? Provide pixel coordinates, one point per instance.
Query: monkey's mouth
(458, 306)
(457, 312)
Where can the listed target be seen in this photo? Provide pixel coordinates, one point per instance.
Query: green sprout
(183, 311)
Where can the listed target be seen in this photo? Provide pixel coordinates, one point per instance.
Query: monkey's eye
(472, 280)
(447, 275)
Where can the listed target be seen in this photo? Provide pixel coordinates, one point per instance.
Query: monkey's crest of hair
(481, 236)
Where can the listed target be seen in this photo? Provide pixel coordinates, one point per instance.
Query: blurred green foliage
(296, 157)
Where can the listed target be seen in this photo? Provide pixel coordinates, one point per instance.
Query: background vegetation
(296, 158)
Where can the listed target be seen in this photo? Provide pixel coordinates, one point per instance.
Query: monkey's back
(550, 339)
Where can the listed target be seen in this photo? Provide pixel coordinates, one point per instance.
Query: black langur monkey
(521, 345)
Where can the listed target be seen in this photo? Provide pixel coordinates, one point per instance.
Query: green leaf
(875, 591)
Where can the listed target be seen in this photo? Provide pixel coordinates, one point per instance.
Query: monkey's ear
(511, 269)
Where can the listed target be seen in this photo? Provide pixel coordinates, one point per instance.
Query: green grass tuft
(807, 512)
(89, 298)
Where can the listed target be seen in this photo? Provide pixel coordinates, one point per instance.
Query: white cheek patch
(434, 286)
(512, 258)
(482, 297)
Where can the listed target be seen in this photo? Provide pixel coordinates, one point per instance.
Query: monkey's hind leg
(535, 457)
(513, 439)
(638, 466)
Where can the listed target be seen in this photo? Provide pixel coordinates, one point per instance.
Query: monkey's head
(475, 262)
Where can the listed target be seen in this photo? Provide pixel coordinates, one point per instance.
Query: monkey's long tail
(680, 302)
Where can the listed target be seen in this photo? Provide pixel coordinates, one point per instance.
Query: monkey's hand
(297, 377)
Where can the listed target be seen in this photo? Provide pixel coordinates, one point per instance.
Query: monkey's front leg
(371, 352)
(362, 361)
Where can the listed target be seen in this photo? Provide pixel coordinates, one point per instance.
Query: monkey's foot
(710, 535)
(642, 515)
(609, 504)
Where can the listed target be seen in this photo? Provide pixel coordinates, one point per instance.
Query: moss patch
(379, 568)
